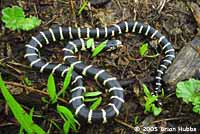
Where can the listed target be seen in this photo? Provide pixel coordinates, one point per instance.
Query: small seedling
(136, 118)
(15, 19)
(24, 119)
(95, 51)
(96, 104)
(27, 82)
(99, 48)
(189, 92)
(51, 89)
(150, 102)
(66, 82)
(94, 98)
(92, 94)
(21, 130)
(83, 6)
(69, 121)
(143, 50)
(90, 43)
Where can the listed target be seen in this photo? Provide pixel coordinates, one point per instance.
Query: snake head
(113, 45)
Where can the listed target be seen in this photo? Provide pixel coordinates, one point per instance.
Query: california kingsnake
(117, 96)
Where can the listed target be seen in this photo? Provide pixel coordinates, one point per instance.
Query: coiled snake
(111, 83)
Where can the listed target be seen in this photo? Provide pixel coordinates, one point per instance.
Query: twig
(118, 3)
(146, 4)
(53, 18)
(162, 5)
(170, 119)
(19, 64)
(3, 59)
(154, 122)
(30, 89)
(36, 11)
(73, 12)
(13, 68)
(124, 123)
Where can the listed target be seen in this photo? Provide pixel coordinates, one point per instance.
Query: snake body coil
(117, 95)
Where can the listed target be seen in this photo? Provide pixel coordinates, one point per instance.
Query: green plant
(96, 104)
(150, 102)
(15, 19)
(143, 50)
(20, 114)
(66, 82)
(21, 130)
(99, 48)
(68, 117)
(83, 6)
(94, 98)
(69, 120)
(92, 94)
(96, 50)
(90, 43)
(27, 82)
(189, 92)
(51, 89)
(136, 118)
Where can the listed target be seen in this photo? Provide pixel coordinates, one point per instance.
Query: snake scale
(76, 36)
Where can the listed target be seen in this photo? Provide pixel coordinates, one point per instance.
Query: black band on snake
(113, 86)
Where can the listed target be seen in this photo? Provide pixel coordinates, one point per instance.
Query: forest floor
(174, 18)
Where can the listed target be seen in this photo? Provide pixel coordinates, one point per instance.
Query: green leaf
(146, 90)
(90, 99)
(29, 23)
(90, 43)
(92, 94)
(156, 110)
(136, 120)
(196, 109)
(21, 130)
(149, 102)
(22, 117)
(163, 93)
(67, 78)
(187, 90)
(83, 6)
(66, 127)
(196, 100)
(67, 116)
(99, 48)
(27, 82)
(66, 81)
(52, 89)
(14, 18)
(143, 49)
(31, 112)
(43, 99)
(96, 104)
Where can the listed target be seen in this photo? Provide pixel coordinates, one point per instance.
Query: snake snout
(113, 44)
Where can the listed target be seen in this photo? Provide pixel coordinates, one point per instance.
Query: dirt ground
(173, 18)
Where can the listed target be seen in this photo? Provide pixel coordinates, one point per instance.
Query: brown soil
(174, 19)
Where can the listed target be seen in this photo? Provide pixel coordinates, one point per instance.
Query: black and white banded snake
(111, 83)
